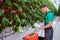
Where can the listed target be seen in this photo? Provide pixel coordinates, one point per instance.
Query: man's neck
(47, 10)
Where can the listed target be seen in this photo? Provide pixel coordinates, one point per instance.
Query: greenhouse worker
(49, 17)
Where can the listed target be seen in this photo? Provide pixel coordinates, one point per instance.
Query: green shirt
(49, 17)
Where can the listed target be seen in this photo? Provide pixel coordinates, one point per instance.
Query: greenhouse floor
(57, 30)
(56, 27)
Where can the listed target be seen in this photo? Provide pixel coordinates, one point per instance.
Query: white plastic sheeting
(56, 3)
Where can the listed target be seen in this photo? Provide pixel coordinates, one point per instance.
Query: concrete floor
(57, 30)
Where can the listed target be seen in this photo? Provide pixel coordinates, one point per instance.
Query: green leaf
(59, 10)
(17, 20)
(24, 22)
(20, 9)
(4, 22)
(33, 10)
(0, 12)
(32, 23)
(24, 6)
(31, 7)
(16, 16)
(15, 5)
(23, 1)
(19, 29)
(8, 3)
(19, 0)
(23, 15)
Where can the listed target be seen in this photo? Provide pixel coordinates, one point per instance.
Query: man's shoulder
(50, 11)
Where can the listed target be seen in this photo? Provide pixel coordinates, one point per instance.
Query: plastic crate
(31, 36)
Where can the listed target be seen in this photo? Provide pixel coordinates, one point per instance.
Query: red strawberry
(26, 13)
(3, 11)
(27, 5)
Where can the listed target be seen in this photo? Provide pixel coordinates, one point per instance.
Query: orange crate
(31, 36)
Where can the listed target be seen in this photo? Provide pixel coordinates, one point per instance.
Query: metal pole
(2, 36)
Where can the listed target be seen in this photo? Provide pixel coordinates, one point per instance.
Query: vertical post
(2, 36)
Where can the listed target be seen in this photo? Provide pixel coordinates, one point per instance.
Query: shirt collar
(47, 12)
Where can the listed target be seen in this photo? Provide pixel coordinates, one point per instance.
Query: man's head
(44, 8)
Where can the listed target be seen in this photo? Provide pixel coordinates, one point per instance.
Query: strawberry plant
(0, 12)
(16, 19)
(15, 5)
(23, 22)
(4, 22)
(8, 2)
(20, 9)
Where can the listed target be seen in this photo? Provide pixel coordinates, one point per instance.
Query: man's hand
(47, 26)
(42, 27)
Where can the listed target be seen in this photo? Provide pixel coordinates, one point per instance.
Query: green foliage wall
(59, 10)
(22, 12)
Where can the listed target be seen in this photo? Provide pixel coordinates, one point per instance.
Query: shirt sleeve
(50, 16)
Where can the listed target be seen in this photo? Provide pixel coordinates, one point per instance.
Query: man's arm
(48, 25)
(50, 19)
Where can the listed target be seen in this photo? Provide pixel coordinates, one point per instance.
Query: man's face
(44, 9)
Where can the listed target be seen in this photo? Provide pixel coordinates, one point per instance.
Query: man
(49, 17)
